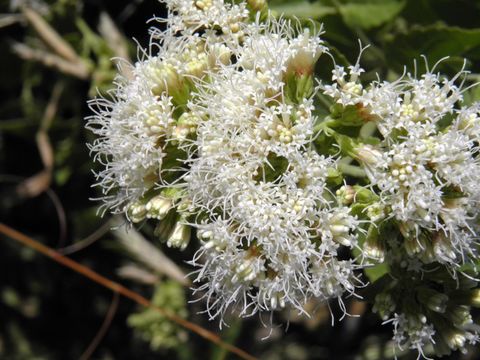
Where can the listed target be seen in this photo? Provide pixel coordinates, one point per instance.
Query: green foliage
(155, 328)
(437, 41)
(369, 14)
(301, 8)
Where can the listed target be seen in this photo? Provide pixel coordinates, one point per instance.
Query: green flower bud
(475, 298)
(459, 315)
(376, 211)
(349, 116)
(384, 305)
(364, 195)
(257, 5)
(165, 77)
(373, 246)
(432, 299)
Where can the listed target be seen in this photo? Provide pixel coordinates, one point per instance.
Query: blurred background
(55, 55)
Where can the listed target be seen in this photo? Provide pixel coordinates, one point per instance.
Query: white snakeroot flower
(129, 128)
(413, 332)
(346, 88)
(188, 16)
(468, 121)
(273, 231)
(140, 117)
(406, 184)
(426, 168)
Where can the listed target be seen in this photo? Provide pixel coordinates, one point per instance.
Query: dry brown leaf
(147, 253)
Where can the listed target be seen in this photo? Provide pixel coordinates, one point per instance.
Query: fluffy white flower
(412, 332)
(273, 230)
(130, 128)
(188, 16)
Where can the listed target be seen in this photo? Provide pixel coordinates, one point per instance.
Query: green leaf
(471, 96)
(435, 41)
(370, 14)
(303, 9)
(376, 272)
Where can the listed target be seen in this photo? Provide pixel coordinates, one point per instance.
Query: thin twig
(50, 36)
(87, 241)
(138, 274)
(10, 19)
(52, 107)
(116, 42)
(40, 182)
(103, 329)
(116, 287)
(62, 219)
(78, 70)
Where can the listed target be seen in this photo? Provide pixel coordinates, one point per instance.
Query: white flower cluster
(216, 131)
(272, 233)
(425, 171)
(217, 127)
(140, 121)
(426, 167)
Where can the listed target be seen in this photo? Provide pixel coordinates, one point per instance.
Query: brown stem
(112, 309)
(116, 287)
(50, 36)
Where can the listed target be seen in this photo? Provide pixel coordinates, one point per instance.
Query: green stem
(325, 126)
(345, 160)
(352, 170)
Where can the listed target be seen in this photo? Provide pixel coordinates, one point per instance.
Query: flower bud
(459, 315)
(384, 305)
(376, 211)
(432, 299)
(373, 246)
(164, 76)
(257, 4)
(368, 155)
(219, 54)
(413, 246)
(244, 272)
(454, 338)
(136, 212)
(364, 195)
(346, 194)
(276, 301)
(180, 236)
(197, 67)
(341, 224)
(163, 229)
(158, 207)
(442, 247)
(475, 298)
